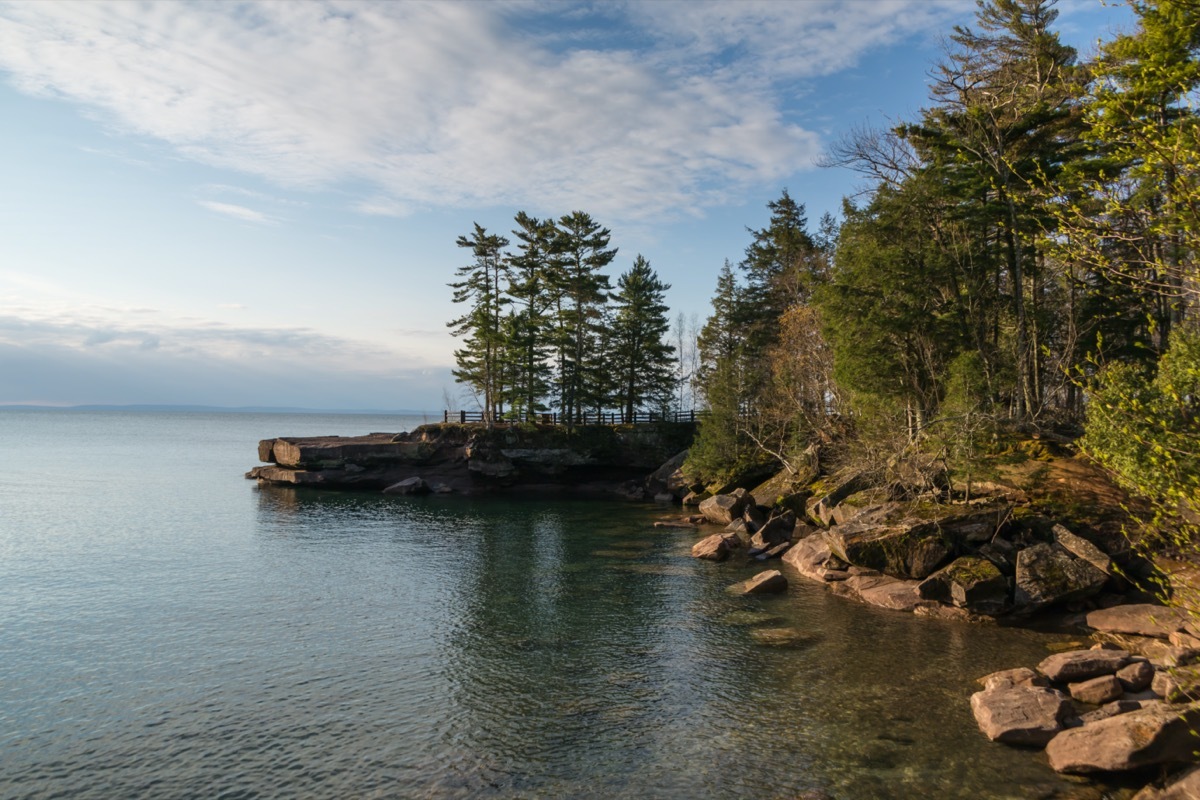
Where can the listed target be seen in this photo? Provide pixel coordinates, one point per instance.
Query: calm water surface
(169, 629)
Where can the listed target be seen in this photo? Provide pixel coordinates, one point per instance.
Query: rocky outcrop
(468, 458)
(1105, 727)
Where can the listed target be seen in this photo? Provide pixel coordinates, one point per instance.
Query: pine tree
(720, 338)
(642, 362)
(581, 249)
(531, 288)
(1006, 112)
(480, 361)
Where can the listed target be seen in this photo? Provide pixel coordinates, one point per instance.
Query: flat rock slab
(1080, 665)
(1029, 716)
(1160, 734)
(1139, 619)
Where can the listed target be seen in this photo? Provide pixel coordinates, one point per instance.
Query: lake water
(171, 630)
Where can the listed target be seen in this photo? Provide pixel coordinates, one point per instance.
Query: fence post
(462, 417)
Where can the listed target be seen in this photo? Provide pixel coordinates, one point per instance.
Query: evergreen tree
(642, 362)
(720, 338)
(480, 362)
(581, 249)
(532, 289)
(1006, 112)
(783, 265)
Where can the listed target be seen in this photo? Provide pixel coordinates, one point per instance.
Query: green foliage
(1144, 426)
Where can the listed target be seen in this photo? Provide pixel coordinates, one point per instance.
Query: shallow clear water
(169, 629)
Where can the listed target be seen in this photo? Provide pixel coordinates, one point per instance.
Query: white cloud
(671, 108)
(236, 211)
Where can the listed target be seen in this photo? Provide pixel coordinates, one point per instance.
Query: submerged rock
(770, 581)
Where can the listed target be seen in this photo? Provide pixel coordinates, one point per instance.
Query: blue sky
(256, 204)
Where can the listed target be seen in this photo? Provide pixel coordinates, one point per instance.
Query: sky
(256, 204)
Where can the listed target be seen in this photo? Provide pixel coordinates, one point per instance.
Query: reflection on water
(234, 641)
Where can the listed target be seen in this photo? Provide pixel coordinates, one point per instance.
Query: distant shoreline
(225, 409)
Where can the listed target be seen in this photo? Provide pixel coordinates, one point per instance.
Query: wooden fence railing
(586, 418)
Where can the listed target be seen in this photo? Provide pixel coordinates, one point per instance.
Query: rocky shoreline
(981, 554)
(1127, 705)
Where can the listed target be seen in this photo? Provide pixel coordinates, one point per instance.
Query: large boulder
(906, 549)
(1081, 548)
(885, 591)
(723, 509)
(812, 558)
(968, 582)
(716, 547)
(411, 486)
(1159, 734)
(1048, 574)
(1079, 665)
(1022, 715)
